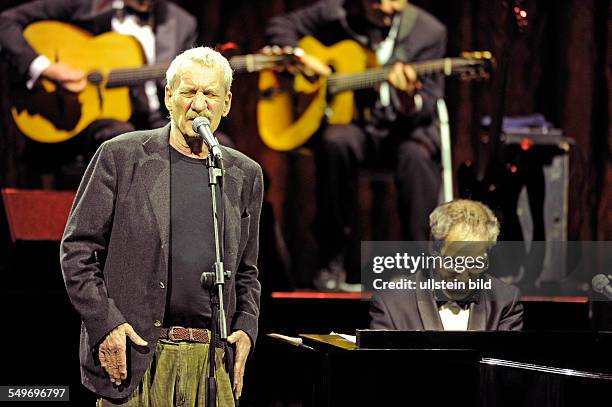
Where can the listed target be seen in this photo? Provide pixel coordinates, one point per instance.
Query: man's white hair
(471, 219)
(202, 55)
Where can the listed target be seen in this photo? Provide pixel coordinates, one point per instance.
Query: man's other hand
(243, 347)
(70, 79)
(404, 78)
(112, 352)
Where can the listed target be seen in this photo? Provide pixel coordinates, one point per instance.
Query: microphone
(201, 125)
(601, 284)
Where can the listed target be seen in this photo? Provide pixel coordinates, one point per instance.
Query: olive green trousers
(177, 377)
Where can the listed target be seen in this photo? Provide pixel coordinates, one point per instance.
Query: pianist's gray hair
(202, 55)
(470, 219)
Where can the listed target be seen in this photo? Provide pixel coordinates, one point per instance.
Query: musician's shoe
(332, 277)
(325, 281)
(329, 277)
(350, 287)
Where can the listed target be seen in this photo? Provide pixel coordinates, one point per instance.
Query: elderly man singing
(139, 236)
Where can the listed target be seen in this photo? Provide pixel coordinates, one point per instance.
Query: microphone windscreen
(199, 121)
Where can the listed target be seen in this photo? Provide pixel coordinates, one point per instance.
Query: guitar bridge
(100, 98)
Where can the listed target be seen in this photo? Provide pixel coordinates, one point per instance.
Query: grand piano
(417, 368)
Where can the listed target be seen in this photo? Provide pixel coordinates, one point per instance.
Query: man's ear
(167, 97)
(227, 103)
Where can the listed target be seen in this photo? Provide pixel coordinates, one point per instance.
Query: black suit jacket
(421, 37)
(175, 30)
(416, 310)
(122, 211)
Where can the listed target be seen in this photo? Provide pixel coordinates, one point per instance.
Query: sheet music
(350, 338)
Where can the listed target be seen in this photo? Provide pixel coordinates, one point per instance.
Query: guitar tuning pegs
(477, 55)
(287, 50)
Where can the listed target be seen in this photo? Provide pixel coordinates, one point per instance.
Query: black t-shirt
(192, 249)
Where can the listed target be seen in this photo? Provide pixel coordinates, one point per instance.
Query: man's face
(461, 250)
(381, 12)
(198, 91)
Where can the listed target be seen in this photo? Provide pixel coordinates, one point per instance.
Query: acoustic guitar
(288, 114)
(50, 114)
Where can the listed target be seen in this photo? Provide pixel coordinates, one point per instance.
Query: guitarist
(162, 28)
(394, 129)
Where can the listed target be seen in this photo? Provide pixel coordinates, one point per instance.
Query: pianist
(458, 228)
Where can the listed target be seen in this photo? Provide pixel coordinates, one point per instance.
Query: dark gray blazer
(499, 309)
(421, 37)
(114, 252)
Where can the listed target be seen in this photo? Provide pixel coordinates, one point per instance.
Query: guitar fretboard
(132, 76)
(363, 80)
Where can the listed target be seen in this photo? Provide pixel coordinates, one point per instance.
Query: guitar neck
(363, 80)
(133, 76)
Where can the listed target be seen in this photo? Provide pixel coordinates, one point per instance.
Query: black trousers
(340, 151)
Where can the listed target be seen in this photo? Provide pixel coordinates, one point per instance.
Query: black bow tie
(464, 305)
(143, 18)
(441, 299)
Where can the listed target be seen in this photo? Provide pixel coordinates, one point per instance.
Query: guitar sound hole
(268, 93)
(94, 77)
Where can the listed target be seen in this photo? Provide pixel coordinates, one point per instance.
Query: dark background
(560, 67)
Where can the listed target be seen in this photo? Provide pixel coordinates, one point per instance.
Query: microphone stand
(215, 280)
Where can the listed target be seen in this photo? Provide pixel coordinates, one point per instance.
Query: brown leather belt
(179, 333)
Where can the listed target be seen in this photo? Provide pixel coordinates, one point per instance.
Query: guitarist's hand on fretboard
(303, 63)
(70, 79)
(404, 78)
(313, 66)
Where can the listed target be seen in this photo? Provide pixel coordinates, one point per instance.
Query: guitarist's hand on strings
(70, 79)
(404, 78)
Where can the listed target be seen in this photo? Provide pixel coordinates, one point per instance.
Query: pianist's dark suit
(412, 310)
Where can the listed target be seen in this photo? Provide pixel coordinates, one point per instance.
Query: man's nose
(199, 102)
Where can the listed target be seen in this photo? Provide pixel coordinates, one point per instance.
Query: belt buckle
(171, 333)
